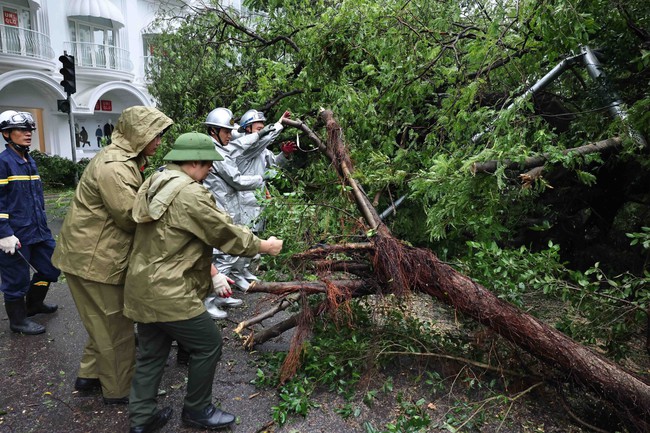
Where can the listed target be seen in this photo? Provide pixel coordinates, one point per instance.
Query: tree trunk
(629, 393)
(399, 268)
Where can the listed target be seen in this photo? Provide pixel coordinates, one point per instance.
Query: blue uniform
(22, 214)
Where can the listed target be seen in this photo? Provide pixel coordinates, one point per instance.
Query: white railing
(25, 42)
(90, 55)
(147, 60)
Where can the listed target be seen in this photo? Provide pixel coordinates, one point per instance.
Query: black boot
(209, 418)
(18, 321)
(35, 297)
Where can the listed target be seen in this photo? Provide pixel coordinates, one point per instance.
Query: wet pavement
(38, 373)
(36, 387)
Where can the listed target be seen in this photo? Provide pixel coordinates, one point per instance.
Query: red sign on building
(104, 105)
(11, 18)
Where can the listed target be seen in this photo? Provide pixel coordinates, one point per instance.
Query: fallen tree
(397, 268)
(539, 160)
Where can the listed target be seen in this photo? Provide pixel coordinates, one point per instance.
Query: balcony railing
(90, 55)
(25, 42)
(149, 65)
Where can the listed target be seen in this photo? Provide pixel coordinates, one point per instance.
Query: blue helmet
(250, 117)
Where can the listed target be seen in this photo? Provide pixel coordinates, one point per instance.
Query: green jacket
(97, 233)
(178, 225)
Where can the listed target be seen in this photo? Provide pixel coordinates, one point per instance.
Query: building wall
(28, 83)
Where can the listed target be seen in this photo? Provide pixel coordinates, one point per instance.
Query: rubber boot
(35, 297)
(214, 311)
(18, 321)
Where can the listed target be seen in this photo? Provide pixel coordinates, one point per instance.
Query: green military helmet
(193, 146)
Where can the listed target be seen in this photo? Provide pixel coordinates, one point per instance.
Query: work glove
(221, 286)
(285, 115)
(9, 244)
(288, 147)
(266, 130)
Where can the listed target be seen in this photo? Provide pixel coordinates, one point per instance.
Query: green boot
(35, 297)
(18, 321)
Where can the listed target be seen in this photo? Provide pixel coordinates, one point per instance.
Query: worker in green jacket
(178, 224)
(94, 245)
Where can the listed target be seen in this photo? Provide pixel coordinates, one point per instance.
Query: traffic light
(69, 82)
(63, 105)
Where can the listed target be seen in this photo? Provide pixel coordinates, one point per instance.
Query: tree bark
(399, 268)
(629, 393)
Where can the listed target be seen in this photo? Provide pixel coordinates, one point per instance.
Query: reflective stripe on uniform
(20, 177)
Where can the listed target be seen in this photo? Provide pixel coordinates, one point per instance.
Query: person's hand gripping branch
(285, 115)
(275, 126)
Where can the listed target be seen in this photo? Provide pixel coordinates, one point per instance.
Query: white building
(109, 42)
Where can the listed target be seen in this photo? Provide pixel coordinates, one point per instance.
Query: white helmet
(251, 116)
(12, 119)
(220, 118)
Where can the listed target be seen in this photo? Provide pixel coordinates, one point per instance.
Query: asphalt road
(38, 373)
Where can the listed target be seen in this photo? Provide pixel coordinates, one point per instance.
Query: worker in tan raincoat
(94, 246)
(169, 276)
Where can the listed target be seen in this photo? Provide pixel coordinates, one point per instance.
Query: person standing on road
(94, 246)
(178, 224)
(254, 160)
(224, 181)
(24, 235)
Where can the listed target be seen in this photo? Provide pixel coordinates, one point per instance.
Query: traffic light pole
(73, 140)
(69, 84)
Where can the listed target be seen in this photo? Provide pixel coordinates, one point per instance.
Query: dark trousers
(201, 337)
(109, 354)
(15, 272)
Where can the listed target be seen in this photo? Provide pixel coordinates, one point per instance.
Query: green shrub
(57, 172)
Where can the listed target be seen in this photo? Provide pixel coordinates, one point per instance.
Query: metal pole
(392, 208)
(73, 140)
(616, 105)
(539, 85)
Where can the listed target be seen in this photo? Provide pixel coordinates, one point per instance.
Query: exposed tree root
(398, 269)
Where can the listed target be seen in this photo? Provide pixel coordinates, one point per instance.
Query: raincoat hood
(137, 126)
(157, 193)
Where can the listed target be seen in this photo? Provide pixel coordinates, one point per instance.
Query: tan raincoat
(97, 233)
(178, 225)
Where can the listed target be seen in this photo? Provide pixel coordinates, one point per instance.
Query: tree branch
(536, 161)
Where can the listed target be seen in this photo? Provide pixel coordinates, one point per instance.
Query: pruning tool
(27, 261)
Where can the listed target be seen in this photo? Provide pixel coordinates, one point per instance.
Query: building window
(149, 49)
(93, 45)
(16, 36)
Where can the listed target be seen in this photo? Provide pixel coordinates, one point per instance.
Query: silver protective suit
(253, 159)
(225, 181)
